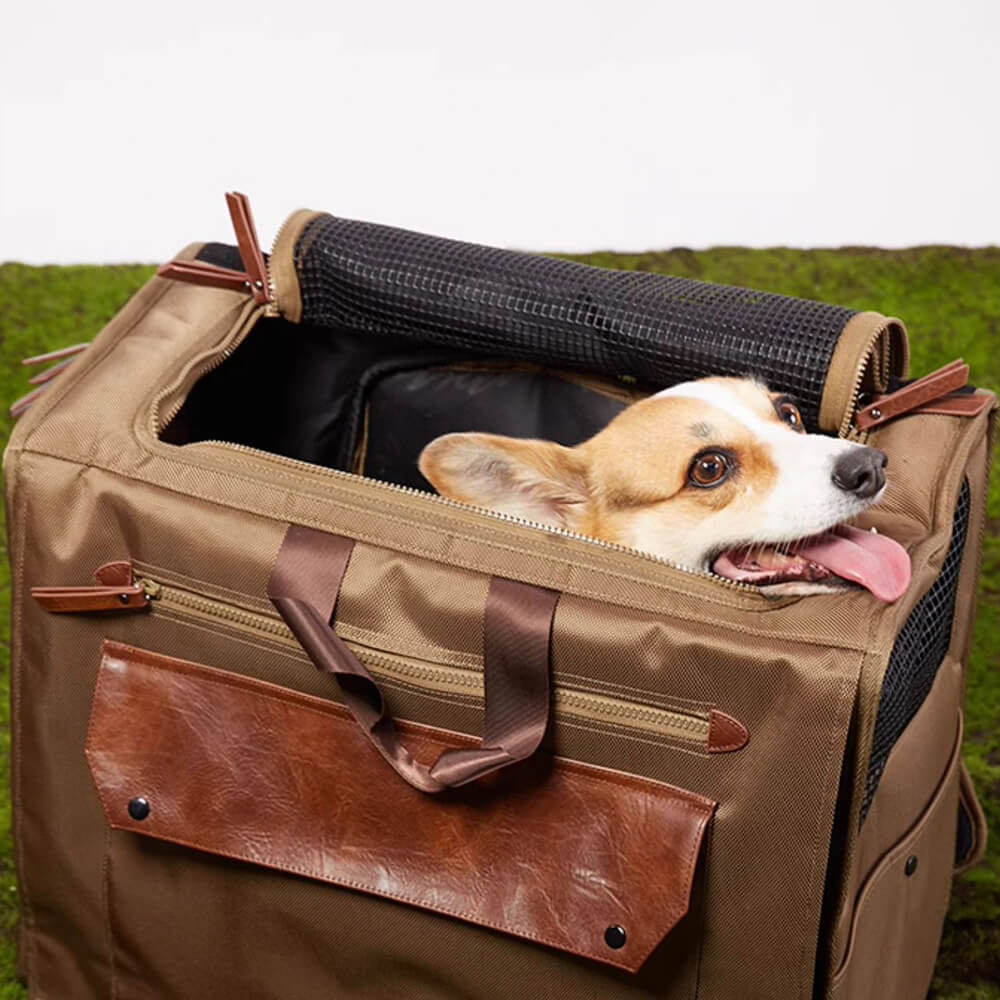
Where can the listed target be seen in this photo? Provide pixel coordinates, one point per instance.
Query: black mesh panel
(917, 654)
(501, 303)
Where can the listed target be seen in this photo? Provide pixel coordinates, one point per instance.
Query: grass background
(950, 300)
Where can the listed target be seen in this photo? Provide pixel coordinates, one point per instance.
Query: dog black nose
(861, 471)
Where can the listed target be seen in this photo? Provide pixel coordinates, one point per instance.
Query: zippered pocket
(124, 588)
(555, 853)
(707, 730)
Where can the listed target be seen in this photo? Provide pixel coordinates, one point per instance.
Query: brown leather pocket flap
(560, 853)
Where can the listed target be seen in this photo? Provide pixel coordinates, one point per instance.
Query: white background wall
(528, 123)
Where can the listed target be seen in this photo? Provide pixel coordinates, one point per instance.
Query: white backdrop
(539, 125)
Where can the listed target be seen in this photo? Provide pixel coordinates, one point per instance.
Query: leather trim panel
(549, 850)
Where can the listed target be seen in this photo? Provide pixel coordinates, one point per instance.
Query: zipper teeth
(159, 592)
(271, 284)
(881, 363)
(602, 707)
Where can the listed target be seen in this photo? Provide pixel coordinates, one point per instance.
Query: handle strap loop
(304, 586)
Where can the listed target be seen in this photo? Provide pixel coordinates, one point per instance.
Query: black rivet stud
(911, 865)
(614, 937)
(123, 598)
(138, 809)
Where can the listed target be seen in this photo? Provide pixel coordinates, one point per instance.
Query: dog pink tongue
(874, 561)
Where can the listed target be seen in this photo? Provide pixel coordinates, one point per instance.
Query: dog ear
(536, 480)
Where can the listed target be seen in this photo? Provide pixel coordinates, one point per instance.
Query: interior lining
(369, 404)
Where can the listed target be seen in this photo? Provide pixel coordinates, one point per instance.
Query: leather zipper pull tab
(69, 600)
(253, 278)
(249, 244)
(922, 395)
(198, 272)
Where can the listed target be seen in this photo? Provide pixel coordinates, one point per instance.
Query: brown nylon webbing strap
(304, 587)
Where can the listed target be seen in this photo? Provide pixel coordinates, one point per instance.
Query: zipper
(397, 489)
(425, 675)
(876, 355)
(880, 363)
(272, 286)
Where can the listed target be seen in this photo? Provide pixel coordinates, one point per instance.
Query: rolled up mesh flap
(655, 329)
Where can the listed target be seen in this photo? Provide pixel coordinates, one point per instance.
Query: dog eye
(789, 412)
(709, 469)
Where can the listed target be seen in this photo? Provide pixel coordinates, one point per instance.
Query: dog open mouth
(844, 553)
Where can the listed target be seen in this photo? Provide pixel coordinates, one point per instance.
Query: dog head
(717, 475)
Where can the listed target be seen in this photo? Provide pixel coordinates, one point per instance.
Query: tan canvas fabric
(88, 481)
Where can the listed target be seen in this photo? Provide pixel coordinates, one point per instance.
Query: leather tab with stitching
(725, 733)
(921, 396)
(74, 600)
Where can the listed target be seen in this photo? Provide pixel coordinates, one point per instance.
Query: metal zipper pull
(253, 278)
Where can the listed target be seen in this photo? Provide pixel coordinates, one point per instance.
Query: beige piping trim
(282, 264)
(869, 340)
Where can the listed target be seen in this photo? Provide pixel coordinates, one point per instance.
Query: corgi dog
(717, 475)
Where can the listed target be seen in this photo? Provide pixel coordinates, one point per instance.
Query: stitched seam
(277, 647)
(806, 967)
(27, 937)
(199, 586)
(350, 883)
(64, 386)
(635, 736)
(106, 900)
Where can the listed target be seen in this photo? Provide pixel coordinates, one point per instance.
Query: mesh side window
(917, 654)
(500, 303)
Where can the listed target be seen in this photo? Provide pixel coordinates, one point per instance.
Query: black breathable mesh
(917, 654)
(501, 303)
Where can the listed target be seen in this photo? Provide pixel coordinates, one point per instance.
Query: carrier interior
(369, 404)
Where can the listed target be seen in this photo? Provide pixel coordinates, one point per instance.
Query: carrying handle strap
(304, 586)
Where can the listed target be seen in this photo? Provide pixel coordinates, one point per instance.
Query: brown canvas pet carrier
(711, 793)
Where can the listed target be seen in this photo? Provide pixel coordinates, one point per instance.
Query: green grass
(950, 300)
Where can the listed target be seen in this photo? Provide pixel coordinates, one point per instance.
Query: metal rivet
(876, 414)
(614, 936)
(123, 598)
(258, 284)
(138, 809)
(911, 865)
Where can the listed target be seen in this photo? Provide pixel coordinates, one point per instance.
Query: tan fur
(640, 460)
(629, 484)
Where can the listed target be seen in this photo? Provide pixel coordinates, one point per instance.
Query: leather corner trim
(115, 574)
(725, 733)
(570, 850)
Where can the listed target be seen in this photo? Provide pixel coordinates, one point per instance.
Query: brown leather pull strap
(304, 587)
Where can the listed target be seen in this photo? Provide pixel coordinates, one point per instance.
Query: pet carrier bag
(529, 764)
